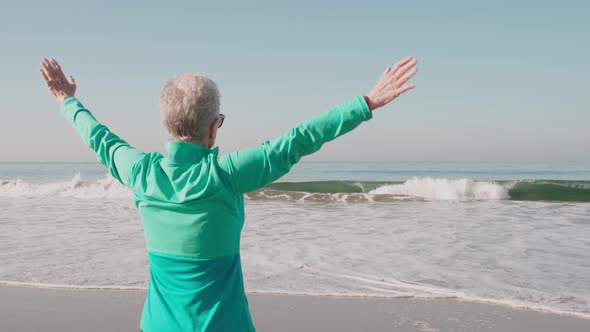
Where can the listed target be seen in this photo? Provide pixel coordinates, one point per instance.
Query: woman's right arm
(254, 168)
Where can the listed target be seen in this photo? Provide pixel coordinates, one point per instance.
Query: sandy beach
(42, 309)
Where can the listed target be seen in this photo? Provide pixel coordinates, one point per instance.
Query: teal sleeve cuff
(70, 107)
(69, 103)
(366, 112)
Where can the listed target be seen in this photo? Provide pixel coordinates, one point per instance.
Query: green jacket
(191, 204)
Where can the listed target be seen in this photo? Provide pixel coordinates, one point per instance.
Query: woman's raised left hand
(60, 87)
(392, 83)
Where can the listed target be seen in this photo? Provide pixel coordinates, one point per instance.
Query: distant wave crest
(427, 189)
(414, 189)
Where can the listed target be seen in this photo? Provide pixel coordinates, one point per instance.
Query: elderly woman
(191, 201)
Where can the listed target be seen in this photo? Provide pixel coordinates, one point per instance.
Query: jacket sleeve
(254, 168)
(112, 151)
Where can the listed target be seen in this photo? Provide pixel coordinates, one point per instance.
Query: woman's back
(187, 203)
(192, 219)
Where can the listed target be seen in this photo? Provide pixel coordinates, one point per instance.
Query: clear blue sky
(498, 81)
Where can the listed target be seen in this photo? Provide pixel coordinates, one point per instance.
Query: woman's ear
(213, 133)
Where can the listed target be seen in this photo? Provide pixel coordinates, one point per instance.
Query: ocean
(508, 233)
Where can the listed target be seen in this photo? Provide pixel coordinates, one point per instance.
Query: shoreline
(501, 303)
(57, 309)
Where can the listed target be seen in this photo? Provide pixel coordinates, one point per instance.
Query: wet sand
(41, 309)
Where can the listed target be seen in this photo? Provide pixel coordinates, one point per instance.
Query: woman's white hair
(189, 104)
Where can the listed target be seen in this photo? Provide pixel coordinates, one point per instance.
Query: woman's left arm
(113, 152)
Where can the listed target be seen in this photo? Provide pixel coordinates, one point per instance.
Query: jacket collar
(182, 152)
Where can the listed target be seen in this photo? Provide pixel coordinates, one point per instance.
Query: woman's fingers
(401, 63)
(58, 71)
(404, 89)
(403, 69)
(385, 75)
(45, 63)
(55, 64)
(50, 70)
(44, 74)
(45, 68)
(407, 76)
(57, 68)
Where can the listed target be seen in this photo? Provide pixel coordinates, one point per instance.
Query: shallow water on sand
(84, 231)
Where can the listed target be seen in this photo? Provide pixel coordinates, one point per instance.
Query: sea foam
(106, 187)
(445, 189)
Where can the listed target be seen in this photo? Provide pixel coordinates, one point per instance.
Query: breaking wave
(414, 189)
